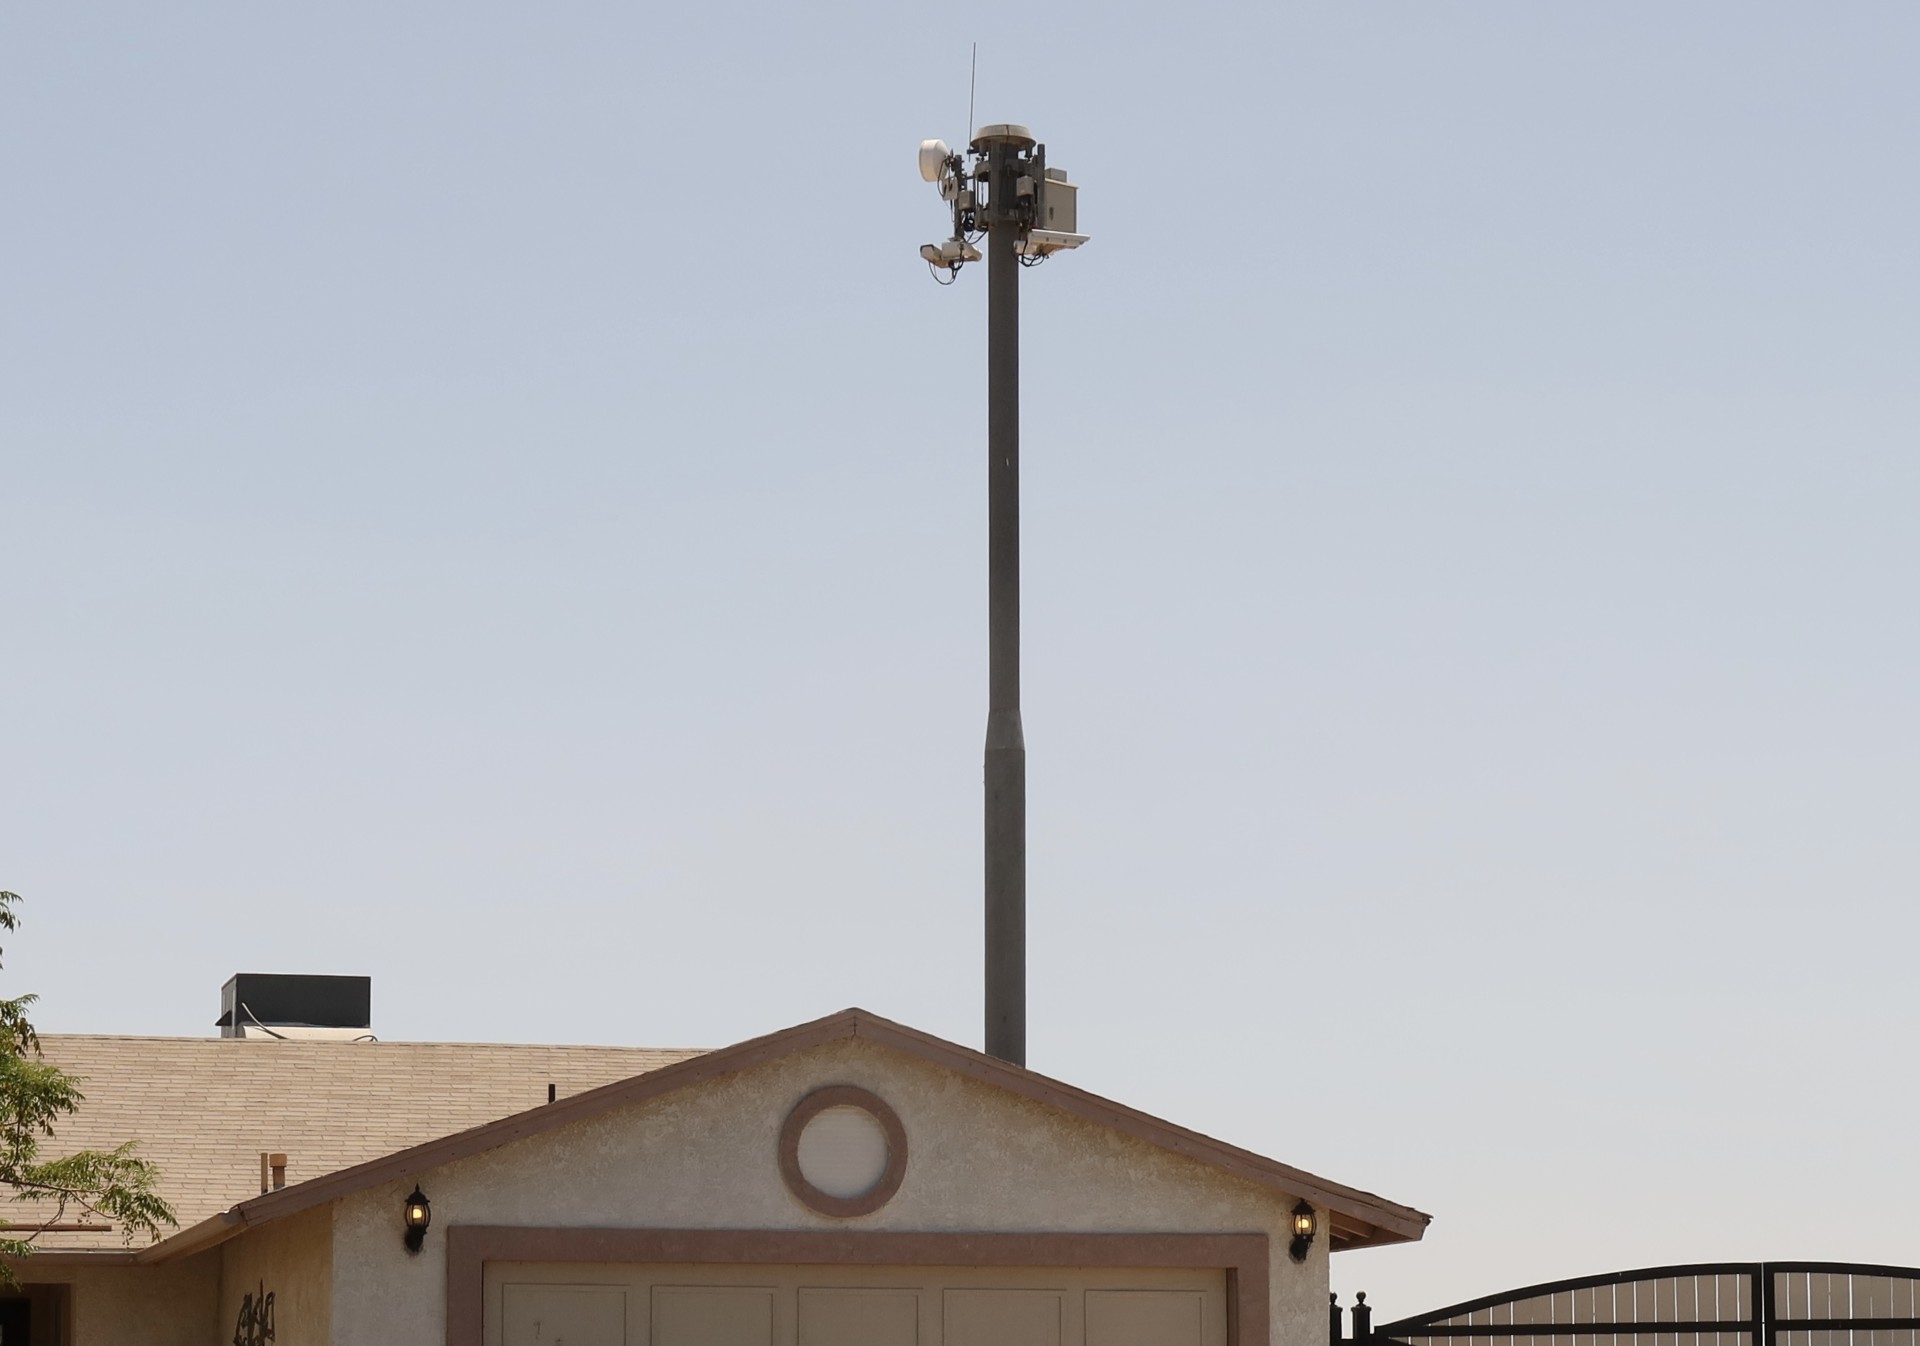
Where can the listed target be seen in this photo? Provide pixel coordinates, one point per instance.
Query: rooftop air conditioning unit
(281, 1005)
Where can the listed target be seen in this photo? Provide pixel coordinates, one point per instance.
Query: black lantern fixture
(1305, 1223)
(419, 1214)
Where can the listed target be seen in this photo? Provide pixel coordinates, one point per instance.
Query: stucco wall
(292, 1260)
(167, 1305)
(705, 1157)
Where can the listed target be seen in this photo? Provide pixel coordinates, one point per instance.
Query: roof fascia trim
(1391, 1223)
(214, 1230)
(72, 1257)
(1398, 1223)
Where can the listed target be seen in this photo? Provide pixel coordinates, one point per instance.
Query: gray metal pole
(1006, 756)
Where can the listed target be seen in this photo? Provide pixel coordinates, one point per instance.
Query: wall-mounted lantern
(419, 1214)
(1305, 1223)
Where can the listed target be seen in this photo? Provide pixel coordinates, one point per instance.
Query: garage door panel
(1003, 1317)
(712, 1315)
(717, 1304)
(1146, 1318)
(856, 1317)
(564, 1315)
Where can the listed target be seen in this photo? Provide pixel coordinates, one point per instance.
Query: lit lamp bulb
(419, 1214)
(1305, 1223)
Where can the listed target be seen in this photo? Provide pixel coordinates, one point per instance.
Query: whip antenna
(973, 71)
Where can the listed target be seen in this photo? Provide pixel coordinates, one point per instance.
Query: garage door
(544, 1304)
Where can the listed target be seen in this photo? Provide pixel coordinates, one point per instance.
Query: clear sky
(490, 499)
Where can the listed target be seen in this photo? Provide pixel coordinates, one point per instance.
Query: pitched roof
(203, 1109)
(1358, 1218)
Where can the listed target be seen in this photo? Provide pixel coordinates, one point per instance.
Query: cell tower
(1003, 195)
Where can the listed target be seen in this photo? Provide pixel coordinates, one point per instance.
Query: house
(845, 1182)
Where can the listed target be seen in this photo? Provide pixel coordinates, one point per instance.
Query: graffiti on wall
(254, 1327)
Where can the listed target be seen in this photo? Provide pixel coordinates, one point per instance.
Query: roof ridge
(223, 1042)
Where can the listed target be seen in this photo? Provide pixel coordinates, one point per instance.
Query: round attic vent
(843, 1151)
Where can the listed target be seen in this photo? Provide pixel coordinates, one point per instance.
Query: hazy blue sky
(490, 498)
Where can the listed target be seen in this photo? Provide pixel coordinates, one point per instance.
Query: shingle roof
(203, 1109)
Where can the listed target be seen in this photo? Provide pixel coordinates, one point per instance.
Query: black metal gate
(1703, 1304)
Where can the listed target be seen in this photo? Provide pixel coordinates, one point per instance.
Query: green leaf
(115, 1186)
